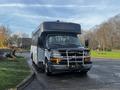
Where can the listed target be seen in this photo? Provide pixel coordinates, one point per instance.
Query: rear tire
(35, 66)
(41, 67)
(32, 58)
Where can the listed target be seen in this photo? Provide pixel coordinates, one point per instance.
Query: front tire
(47, 71)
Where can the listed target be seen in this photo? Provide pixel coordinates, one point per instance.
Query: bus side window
(40, 42)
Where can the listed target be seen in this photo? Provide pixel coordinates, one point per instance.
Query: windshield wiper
(56, 44)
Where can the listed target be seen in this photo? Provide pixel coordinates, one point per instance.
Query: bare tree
(105, 36)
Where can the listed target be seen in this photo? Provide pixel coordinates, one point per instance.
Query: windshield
(63, 41)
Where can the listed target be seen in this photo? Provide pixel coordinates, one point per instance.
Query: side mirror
(87, 43)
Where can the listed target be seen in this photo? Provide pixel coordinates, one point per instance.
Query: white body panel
(34, 53)
(41, 55)
(38, 54)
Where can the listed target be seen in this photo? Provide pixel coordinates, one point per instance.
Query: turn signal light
(55, 60)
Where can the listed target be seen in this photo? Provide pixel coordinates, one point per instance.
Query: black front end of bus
(67, 60)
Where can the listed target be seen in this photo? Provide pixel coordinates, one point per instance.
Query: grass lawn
(106, 54)
(13, 72)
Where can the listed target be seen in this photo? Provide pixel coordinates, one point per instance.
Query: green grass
(106, 54)
(13, 72)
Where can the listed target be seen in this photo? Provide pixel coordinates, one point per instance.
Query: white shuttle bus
(56, 48)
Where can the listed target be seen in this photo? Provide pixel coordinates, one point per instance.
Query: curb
(25, 82)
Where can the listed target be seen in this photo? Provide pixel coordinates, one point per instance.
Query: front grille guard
(75, 57)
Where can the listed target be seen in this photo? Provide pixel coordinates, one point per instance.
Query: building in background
(24, 43)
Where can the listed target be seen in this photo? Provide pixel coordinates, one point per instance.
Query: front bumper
(62, 68)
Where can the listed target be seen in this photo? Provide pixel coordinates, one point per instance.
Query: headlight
(55, 54)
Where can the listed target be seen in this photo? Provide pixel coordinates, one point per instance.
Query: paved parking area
(104, 75)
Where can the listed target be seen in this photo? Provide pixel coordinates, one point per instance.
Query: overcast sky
(26, 15)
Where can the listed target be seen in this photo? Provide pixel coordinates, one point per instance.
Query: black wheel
(48, 73)
(38, 68)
